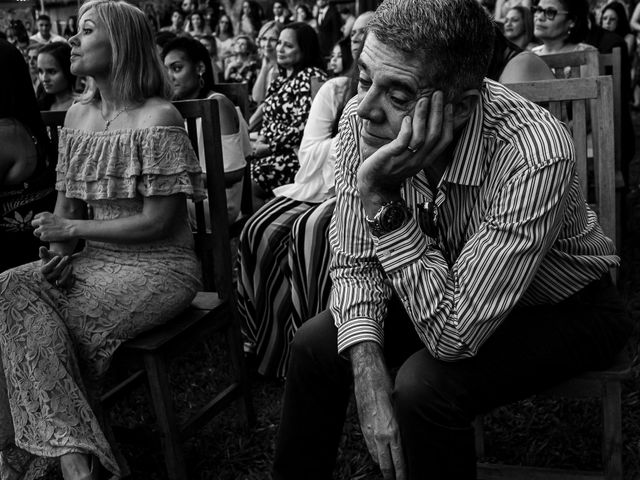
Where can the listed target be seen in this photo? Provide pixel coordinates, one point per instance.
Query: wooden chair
(238, 93)
(583, 63)
(605, 384)
(611, 64)
(212, 311)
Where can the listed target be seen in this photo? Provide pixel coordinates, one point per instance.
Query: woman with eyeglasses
(561, 26)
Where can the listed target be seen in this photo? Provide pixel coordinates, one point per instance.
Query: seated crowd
(350, 143)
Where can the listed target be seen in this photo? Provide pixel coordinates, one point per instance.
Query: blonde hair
(136, 68)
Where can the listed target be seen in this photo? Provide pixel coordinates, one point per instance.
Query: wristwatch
(389, 217)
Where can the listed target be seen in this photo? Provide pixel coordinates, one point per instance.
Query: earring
(201, 80)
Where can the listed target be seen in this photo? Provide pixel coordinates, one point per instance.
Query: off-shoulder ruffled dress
(55, 344)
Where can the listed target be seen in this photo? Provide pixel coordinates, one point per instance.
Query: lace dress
(56, 344)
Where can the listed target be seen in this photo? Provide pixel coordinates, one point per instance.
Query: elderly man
(463, 253)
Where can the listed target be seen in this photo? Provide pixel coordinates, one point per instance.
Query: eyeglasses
(549, 12)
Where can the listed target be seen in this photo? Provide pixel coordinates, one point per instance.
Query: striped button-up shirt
(514, 230)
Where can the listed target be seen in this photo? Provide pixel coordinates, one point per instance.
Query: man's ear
(463, 106)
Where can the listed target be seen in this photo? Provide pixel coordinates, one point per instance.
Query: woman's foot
(77, 466)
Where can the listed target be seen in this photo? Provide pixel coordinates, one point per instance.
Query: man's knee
(425, 391)
(316, 337)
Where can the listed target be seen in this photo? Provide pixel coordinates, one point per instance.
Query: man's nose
(369, 107)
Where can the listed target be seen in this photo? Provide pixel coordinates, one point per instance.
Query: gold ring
(412, 149)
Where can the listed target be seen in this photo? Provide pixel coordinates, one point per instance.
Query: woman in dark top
(21, 198)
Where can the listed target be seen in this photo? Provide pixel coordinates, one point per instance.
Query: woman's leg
(309, 258)
(45, 388)
(264, 294)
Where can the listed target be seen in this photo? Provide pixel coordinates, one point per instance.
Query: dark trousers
(436, 401)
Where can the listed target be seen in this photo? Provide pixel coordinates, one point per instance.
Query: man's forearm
(366, 358)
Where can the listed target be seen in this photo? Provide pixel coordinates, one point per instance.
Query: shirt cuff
(359, 330)
(401, 247)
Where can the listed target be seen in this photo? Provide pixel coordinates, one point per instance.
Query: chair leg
(612, 425)
(478, 426)
(234, 342)
(158, 378)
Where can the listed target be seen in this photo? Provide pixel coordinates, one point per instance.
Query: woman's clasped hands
(56, 268)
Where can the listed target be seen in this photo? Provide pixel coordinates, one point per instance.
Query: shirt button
(455, 323)
(459, 344)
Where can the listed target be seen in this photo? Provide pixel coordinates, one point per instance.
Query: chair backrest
(213, 247)
(580, 93)
(238, 93)
(611, 64)
(582, 63)
(53, 121)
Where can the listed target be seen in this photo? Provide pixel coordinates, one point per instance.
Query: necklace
(107, 123)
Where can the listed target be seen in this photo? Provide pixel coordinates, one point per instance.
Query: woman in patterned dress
(285, 110)
(123, 151)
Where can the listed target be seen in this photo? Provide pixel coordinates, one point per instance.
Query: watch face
(393, 217)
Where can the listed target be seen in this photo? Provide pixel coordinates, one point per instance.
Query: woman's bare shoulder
(79, 114)
(157, 112)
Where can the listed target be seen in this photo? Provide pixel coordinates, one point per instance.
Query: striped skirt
(283, 276)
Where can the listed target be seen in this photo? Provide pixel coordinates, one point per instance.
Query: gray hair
(454, 38)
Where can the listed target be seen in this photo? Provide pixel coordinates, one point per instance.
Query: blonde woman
(123, 151)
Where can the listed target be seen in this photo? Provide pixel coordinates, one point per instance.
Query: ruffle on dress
(127, 163)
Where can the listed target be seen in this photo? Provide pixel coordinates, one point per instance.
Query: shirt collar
(469, 156)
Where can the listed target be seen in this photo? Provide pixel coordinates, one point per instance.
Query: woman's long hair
(308, 44)
(61, 52)
(228, 31)
(623, 27)
(345, 51)
(136, 69)
(255, 16)
(527, 21)
(579, 12)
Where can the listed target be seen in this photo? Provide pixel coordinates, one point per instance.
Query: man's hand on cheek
(420, 142)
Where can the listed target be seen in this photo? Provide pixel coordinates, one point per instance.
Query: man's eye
(364, 83)
(399, 100)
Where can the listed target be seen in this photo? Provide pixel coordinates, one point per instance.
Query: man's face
(44, 27)
(358, 32)
(389, 87)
